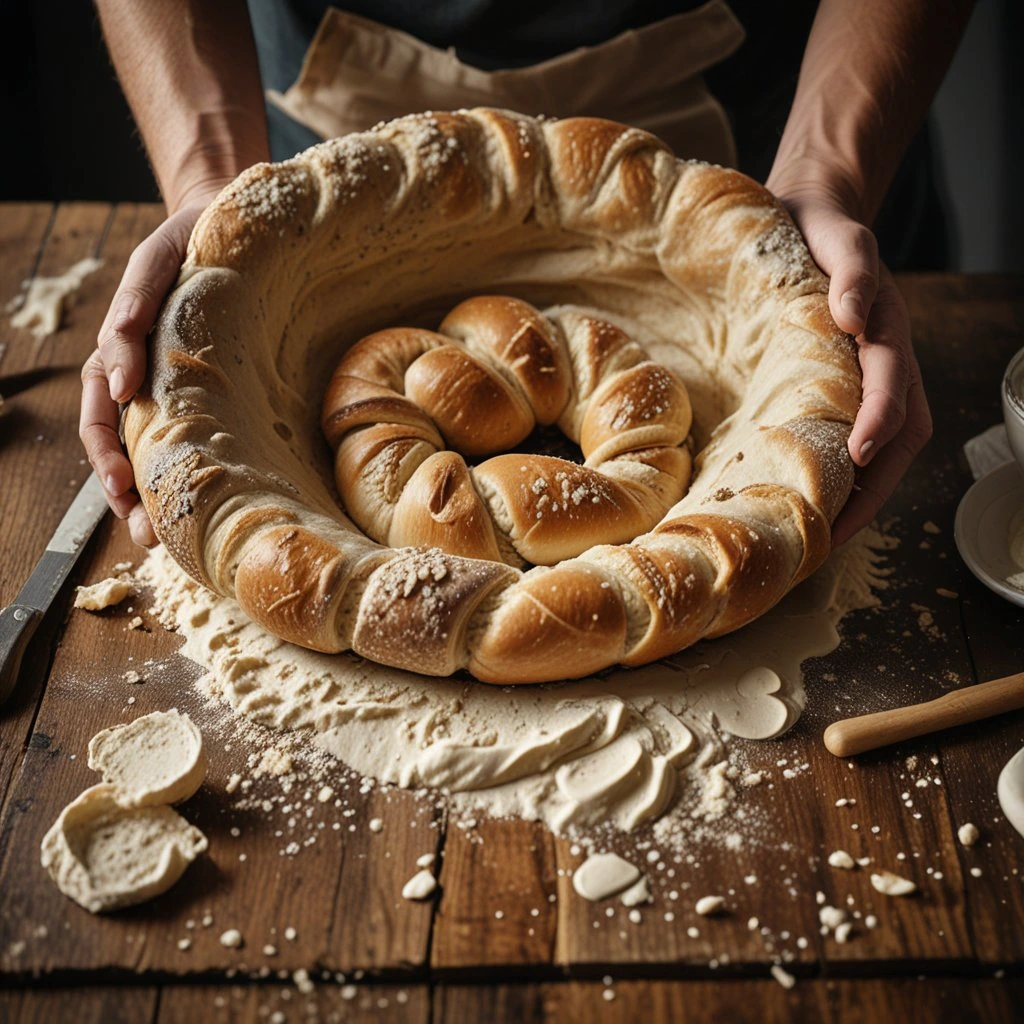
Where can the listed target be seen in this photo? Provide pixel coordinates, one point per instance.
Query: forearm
(189, 71)
(870, 71)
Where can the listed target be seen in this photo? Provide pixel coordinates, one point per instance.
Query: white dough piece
(782, 976)
(841, 859)
(105, 856)
(892, 885)
(831, 917)
(708, 905)
(105, 594)
(157, 759)
(420, 886)
(1010, 790)
(639, 892)
(602, 875)
(968, 834)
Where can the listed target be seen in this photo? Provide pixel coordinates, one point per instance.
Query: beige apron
(357, 73)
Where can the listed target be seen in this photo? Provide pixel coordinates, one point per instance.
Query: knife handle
(18, 623)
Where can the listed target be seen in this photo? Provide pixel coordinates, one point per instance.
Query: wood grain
(864, 1001)
(339, 888)
(496, 909)
(972, 327)
(127, 1004)
(495, 916)
(335, 1002)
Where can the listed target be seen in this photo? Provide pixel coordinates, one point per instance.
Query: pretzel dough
(496, 369)
(295, 262)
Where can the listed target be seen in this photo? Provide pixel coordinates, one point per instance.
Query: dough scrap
(105, 594)
(890, 884)
(105, 856)
(602, 875)
(156, 759)
(420, 886)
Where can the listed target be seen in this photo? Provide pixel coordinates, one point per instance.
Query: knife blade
(18, 621)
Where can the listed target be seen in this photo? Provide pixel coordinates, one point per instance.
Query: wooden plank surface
(909, 1001)
(339, 889)
(959, 320)
(506, 907)
(928, 1000)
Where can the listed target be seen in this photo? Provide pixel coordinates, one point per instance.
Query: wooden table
(954, 952)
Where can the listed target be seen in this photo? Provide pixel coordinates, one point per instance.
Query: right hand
(114, 372)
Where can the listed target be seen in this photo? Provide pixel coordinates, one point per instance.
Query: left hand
(894, 422)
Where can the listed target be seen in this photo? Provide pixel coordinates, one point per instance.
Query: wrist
(813, 178)
(218, 147)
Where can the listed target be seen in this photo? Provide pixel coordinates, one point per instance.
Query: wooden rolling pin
(868, 732)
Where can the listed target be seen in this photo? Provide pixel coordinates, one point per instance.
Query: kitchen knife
(18, 621)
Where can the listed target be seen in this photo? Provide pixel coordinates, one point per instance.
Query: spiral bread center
(406, 407)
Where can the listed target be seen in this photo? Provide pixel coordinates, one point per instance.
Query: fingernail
(111, 486)
(865, 448)
(852, 306)
(117, 384)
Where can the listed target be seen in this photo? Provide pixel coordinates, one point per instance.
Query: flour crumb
(968, 834)
(841, 859)
(890, 884)
(420, 886)
(105, 594)
(708, 905)
(782, 976)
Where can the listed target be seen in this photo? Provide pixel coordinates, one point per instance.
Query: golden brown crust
(294, 262)
(552, 624)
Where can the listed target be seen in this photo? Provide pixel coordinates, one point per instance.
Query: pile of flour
(616, 750)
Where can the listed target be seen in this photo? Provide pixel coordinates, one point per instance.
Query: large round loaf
(294, 262)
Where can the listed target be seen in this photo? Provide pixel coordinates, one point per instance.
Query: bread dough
(968, 834)
(105, 594)
(890, 884)
(156, 759)
(706, 906)
(420, 886)
(1011, 791)
(602, 875)
(44, 304)
(105, 856)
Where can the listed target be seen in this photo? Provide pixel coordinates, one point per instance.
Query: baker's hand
(115, 370)
(893, 423)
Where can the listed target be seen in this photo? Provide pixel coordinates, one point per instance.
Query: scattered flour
(618, 750)
(43, 305)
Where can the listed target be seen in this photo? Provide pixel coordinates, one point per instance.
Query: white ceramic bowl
(1013, 405)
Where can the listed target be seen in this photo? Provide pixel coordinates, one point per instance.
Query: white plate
(982, 529)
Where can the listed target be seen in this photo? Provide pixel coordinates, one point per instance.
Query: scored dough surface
(496, 368)
(295, 262)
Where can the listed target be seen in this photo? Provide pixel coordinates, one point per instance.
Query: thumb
(848, 253)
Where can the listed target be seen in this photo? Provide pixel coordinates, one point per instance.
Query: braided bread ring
(296, 261)
(496, 368)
